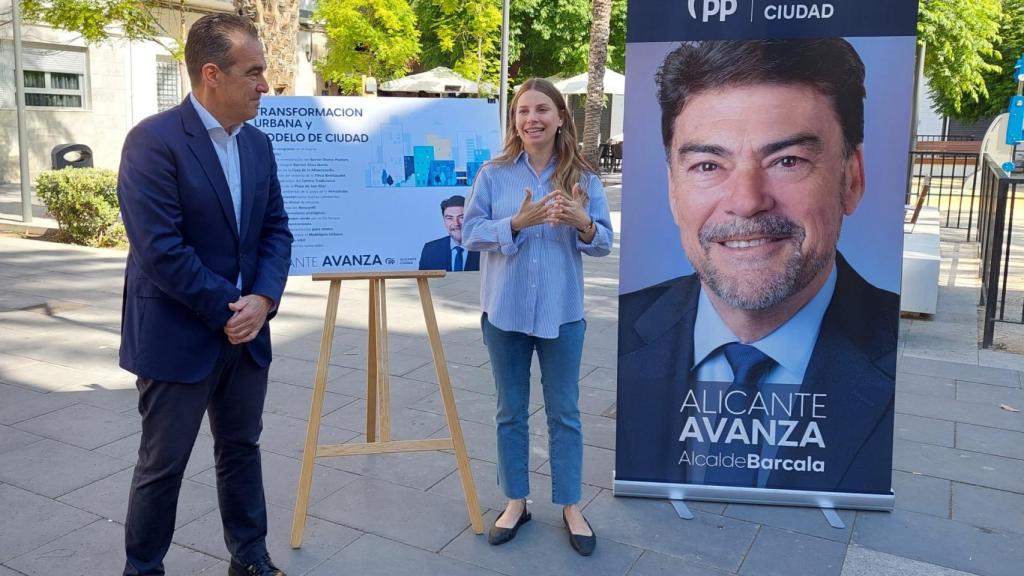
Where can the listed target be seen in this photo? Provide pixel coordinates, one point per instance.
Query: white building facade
(94, 94)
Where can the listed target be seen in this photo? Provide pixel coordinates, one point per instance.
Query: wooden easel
(378, 393)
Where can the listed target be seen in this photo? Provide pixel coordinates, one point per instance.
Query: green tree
(552, 37)
(276, 21)
(960, 38)
(367, 37)
(546, 37)
(1000, 83)
(464, 35)
(92, 19)
(549, 37)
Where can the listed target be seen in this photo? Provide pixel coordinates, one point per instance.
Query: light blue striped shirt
(532, 283)
(226, 146)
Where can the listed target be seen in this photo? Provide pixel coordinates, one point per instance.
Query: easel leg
(372, 363)
(443, 381)
(384, 368)
(315, 412)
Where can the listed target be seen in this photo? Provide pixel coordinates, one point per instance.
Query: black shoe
(582, 544)
(499, 535)
(262, 567)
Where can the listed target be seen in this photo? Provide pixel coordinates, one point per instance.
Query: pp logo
(712, 8)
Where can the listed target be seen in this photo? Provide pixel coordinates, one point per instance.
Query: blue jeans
(511, 354)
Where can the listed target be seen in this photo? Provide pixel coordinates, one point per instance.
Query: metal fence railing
(946, 138)
(1001, 234)
(951, 178)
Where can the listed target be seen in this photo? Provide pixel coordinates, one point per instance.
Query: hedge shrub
(84, 203)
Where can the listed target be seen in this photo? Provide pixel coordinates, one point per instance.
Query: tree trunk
(599, 29)
(277, 22)
(185, 79)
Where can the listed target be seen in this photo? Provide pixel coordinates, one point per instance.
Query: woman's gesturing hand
(532, 213)
(569, 209)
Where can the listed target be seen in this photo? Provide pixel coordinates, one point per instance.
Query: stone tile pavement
(69, 433)
(10, 210)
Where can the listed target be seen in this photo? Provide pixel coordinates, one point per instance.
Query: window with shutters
(55, 76)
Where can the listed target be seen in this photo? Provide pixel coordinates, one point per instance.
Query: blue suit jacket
(186, 250)
(854, 363)
(437, 255)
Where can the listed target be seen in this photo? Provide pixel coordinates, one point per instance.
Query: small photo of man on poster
(772, 364)
(447, 252)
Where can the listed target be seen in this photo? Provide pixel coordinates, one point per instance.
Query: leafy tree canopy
(464, 35)
(91, 18)
(94, 20)
(552, 37)
(377, 38)
(546, 37)
(1000, 83)
(960, 38)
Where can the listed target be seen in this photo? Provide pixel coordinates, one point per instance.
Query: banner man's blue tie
(749, 366)
(458, 259)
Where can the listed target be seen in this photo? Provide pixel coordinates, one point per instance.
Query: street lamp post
(19, 82)
(503, 88)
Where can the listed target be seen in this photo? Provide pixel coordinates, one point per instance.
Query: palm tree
(599, 29)
(277, 22)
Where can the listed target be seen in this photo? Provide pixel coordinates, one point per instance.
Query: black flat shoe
(498, 535)
(262, 567)
(580, 543)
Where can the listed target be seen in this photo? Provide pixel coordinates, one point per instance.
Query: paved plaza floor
(69, 433)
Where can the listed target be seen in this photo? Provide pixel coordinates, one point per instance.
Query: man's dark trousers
(172, 412)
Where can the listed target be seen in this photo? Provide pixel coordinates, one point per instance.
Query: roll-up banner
(378, 184)
(761, 252)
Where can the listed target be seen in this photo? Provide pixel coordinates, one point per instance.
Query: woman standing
(533, 210)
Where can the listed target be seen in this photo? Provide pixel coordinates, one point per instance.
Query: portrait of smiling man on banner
(773, 364)
(447, 252)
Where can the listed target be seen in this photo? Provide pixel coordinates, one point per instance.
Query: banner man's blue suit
(186, 254)
(437, 255)
(854, 363)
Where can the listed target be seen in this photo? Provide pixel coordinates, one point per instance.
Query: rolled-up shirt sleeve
(601, 243)
(481, 232)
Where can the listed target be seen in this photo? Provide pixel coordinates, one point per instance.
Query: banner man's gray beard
(773, 289)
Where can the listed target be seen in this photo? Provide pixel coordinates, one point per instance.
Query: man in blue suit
(773, 365)
(447, 253)
(209, 258)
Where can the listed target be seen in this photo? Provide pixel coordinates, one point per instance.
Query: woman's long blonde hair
(571, 164)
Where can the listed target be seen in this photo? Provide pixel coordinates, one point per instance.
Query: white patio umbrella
(614, 83)
(439, 80)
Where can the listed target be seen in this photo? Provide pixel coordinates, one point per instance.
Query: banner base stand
(684, 513)
(682, 509)
(833, 519)
(827, 501)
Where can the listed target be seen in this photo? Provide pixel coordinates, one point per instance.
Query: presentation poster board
(364, 179)
(765, 165)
